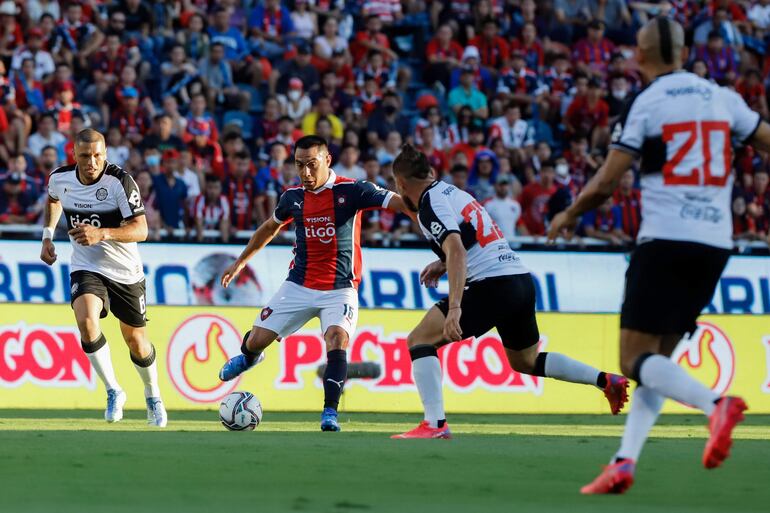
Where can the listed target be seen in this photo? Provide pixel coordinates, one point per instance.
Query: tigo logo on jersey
(93, 220)
(44, 355)
(321, 228)
(197, 350)
(710, 356)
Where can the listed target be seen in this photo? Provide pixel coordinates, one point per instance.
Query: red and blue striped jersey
(327, 251)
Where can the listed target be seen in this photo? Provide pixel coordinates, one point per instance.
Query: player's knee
(522, 362)
(627, 365)
(336, 339)
(89, 328)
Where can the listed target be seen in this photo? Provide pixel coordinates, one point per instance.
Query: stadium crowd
(201, 101)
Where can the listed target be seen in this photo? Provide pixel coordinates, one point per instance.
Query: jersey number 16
(712, 138)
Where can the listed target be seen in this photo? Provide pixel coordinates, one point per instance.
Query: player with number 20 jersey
(682, 128)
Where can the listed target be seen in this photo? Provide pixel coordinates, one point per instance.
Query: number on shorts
(674, 174)
(142, 306)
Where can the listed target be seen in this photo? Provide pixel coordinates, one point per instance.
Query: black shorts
(126, 302)
(668, 284)
(503, 302)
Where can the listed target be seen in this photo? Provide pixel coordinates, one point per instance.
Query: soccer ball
(240, 411)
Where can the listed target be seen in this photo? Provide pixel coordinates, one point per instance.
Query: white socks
(427, 376)
(662, 375)
(98, 353)
(148, 371)
(645, 408)
(564, 368)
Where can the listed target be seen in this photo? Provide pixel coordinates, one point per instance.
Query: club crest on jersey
(341, 200)
(437, 229)
(101, 194)
(266, 311)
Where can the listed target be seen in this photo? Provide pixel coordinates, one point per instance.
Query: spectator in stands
(744, 225)
(467, 94)
(530, 47)
(191, 178)
(481, 179)
(194, 37)
(117, 149)
(471, 61)
(386, 119)
(759, 202)
(618, 97)
(46, 135)
(388, 152)
(207, 155)
(348, 164)
(295, 103)
(436, 157)
(305, 20)
(131, 119)
(216, 74)
(43, 62)
(534, 200)
(504, 210)
(571, 16)
(721, 60)
(329, 41)
(323, 108)
(270, 24)
(458, 176)
(371, 39)
(144, 182)
(373, 170)
(49, 160)
(752, 90)
(75, 39)
(719, 23)
(161, 135)
(299, 67)
(443, 54)
(211, 211)
(240, 190)
(17, 200)
(493, 49)
(514, 132)
(171, 194)
(604, 223)
(589, 115)
(323, 129)
(592, 54)
(628, 199)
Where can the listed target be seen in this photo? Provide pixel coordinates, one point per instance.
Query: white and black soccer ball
(240, 411)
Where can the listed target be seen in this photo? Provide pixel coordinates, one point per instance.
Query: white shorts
(294, 305)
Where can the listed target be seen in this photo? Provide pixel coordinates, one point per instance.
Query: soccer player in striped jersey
(326, 271)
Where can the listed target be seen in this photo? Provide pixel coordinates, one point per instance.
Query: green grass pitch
(71, 461)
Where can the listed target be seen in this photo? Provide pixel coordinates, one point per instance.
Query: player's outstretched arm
(52, 213)
(598, 189)
(396, 204)
(261, 237)
(456, 270)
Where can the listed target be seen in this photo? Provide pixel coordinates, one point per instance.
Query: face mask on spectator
(562, 169)
(152, 160)
(294, 95)
(619, 94)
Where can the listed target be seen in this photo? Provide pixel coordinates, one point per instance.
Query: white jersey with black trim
(683, 127)
(106, 203)
(445, 209)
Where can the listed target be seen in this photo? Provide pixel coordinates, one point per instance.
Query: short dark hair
(458, 168)
(411, 163)
(310, 141)
(212, 178)
(243, 154)
(88, 136)
(49, 147)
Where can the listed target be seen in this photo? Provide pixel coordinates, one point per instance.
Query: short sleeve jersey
(683, 128)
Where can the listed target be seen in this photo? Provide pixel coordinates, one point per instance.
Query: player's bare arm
(261, 238)
(52, 213)
(133, 230)
(457, 270)
(598, 189)
(432, 274)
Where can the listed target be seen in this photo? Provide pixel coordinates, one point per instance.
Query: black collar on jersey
(428, 188)
(104, 169)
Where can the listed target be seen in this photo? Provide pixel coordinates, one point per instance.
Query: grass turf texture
(72, 461)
